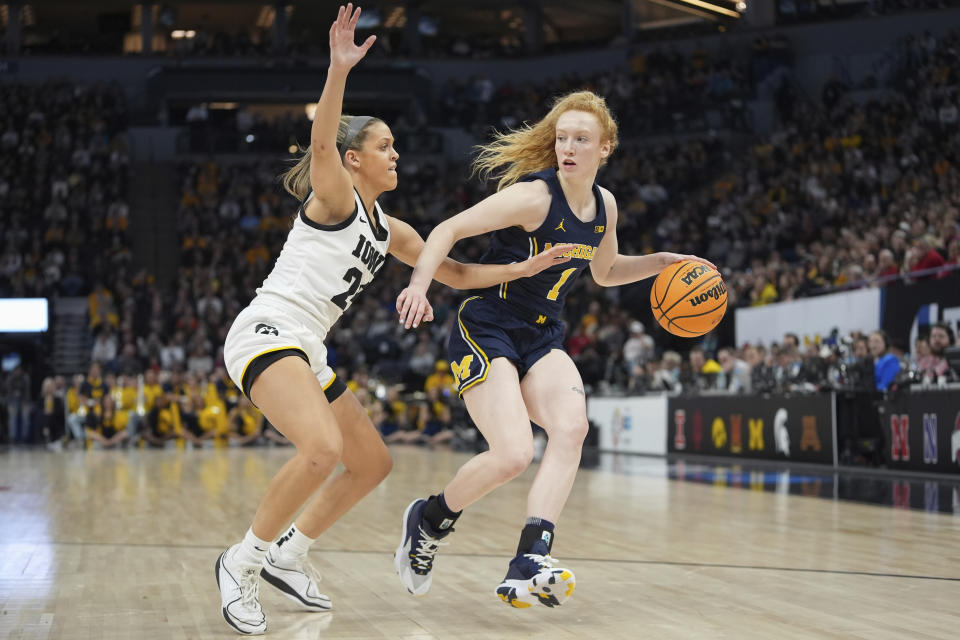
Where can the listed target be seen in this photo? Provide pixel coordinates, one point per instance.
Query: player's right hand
(344, 53)
(413, 307)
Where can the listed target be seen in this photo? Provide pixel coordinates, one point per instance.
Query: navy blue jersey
(541, 297)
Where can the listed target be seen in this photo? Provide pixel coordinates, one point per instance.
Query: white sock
(294, 543)
(252, 550)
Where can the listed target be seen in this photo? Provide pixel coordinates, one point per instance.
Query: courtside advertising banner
(631, 425)
(922, 431)
(799, 428)
(810, 317)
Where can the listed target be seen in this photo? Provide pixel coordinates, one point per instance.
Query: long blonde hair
(531, 149)
(296, 180)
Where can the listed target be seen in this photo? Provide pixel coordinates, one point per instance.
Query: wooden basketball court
(122, 544)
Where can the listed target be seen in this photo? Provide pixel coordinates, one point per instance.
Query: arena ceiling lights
(708, 8)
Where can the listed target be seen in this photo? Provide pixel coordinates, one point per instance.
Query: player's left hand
(343, 52)
(413, 306)
(668, 258)
(553, 255)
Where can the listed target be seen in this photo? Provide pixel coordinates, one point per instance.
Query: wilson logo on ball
(714, 293)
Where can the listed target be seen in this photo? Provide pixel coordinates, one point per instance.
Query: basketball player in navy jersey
(274, 350)
(506, 348)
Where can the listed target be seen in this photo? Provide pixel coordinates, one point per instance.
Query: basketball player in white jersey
(275, 353)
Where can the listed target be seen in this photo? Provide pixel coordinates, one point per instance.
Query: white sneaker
(240, 594)
(296, 577)
(413, 559)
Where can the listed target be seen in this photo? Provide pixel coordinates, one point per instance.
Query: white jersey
(323, 267)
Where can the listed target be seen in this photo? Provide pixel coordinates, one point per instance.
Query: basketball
(688, 298)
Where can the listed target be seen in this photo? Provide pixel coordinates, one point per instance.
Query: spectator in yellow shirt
(441, 378)
(246, 423)
(162, 421)
(106, 425)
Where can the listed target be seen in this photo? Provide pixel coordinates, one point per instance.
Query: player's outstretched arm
(524, 204)
(330, 181)
(407, 245)
(611, 268)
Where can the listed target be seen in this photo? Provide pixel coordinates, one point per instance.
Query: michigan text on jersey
(583, 251)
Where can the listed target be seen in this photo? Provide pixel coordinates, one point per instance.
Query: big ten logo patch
(266, 329)
(900, 437)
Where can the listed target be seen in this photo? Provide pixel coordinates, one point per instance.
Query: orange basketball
(688, 298)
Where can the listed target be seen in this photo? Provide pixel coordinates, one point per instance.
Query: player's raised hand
(668, 258)
(545, 260)
(413, 307)
(344, 53)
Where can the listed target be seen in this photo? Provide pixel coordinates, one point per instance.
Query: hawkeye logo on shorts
(266, 330)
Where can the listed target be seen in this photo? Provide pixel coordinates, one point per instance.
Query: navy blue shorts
(487, 329)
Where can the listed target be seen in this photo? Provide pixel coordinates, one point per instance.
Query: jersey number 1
(352, 277)
(553, 293)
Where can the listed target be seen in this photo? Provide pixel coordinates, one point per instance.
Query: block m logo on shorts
(900, 437)
(266, 330)
(461, 370)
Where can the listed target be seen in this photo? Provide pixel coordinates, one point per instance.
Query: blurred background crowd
(855, 187)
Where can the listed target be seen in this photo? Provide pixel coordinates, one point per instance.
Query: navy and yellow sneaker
(419, 543)
(532, 578)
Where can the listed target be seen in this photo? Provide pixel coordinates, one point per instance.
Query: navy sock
(438, 515)
(536, 537)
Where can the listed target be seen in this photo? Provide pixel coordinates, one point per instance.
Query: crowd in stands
(845, 193)
(654, 92)
(789, 11)
(64, 169)
(870, 362)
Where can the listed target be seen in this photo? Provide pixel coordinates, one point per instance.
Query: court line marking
(666, 563)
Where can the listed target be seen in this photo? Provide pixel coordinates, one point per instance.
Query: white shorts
(261, 335)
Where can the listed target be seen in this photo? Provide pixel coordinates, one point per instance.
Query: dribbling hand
(344, 53)
(668, 258)
(412, 305)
